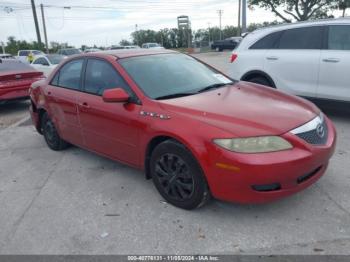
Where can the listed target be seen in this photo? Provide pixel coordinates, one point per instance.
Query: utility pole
(209, 34)
(220, 12)
(3, 47)
(136, 35)
(244, 16)
(44, 26)
(36, 23)
(239, 17)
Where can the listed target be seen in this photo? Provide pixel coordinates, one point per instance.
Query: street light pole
(220, 12)
(3, 47)
(136, 35)
(244, 16)
(209, 33)
(239, 17)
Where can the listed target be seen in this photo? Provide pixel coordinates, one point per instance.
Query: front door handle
(272, 58)
(84, 104)
(331, 60)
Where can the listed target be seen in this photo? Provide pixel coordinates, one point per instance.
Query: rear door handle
(84, 104)
(272, 58)
(331, 60)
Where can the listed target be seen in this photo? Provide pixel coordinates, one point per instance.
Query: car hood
(245, 109)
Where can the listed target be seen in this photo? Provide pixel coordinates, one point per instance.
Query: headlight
(260, 144)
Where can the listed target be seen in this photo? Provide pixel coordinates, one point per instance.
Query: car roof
(257, 34)
(124, 53)
(70, 48)
(329, 21)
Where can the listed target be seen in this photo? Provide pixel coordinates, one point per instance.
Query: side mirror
(115, 95)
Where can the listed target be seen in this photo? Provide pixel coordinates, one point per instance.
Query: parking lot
(75, 202)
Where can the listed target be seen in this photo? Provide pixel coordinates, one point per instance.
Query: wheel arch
(258, 73)
(158, 139)
(40, 111)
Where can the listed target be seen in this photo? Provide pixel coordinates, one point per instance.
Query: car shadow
(334, 110)
(13, 106)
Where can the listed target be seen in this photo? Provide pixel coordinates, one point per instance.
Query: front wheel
(177, 176)
(52, 138)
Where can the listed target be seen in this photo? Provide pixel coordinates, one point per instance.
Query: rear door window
(339, 37)
(302, 38)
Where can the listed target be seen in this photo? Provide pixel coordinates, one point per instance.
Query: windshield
(55, 59)
(153, 45)
(170, 74)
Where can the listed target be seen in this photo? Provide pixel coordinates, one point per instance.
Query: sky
(106, 22)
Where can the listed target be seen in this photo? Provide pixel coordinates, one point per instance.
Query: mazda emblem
(320, 130)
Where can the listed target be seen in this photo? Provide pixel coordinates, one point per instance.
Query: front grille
(314, 137)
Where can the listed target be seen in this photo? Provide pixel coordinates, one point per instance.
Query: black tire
(177, 176)
(52, 138)
(260, 80)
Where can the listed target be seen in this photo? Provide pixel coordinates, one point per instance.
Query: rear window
(55, 59)
(302, 38)
(267, 42)
(70, 51)
(23, 53)
(9, 65)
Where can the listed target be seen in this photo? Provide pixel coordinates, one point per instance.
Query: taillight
(233, 58)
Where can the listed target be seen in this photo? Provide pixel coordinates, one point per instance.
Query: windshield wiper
(173, 96)
(213, 86)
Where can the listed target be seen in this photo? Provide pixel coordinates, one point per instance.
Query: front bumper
(259, 178)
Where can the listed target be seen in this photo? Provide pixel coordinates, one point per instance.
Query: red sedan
(15, 79)
(193, 130)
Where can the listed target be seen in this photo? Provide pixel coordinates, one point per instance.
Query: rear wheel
(177, 176)
(260, 80)
(52, 138)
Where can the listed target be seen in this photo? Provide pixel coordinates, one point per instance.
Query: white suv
(310, 59)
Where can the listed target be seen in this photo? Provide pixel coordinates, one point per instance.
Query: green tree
(125, 42)
(299, 10)
(343, 5)
(254, 26)
(143, 36)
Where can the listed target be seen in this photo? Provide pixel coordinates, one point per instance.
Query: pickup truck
(23, 54)
(228, 43)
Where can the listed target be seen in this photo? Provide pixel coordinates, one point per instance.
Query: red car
(193, 130)
(15, 79)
